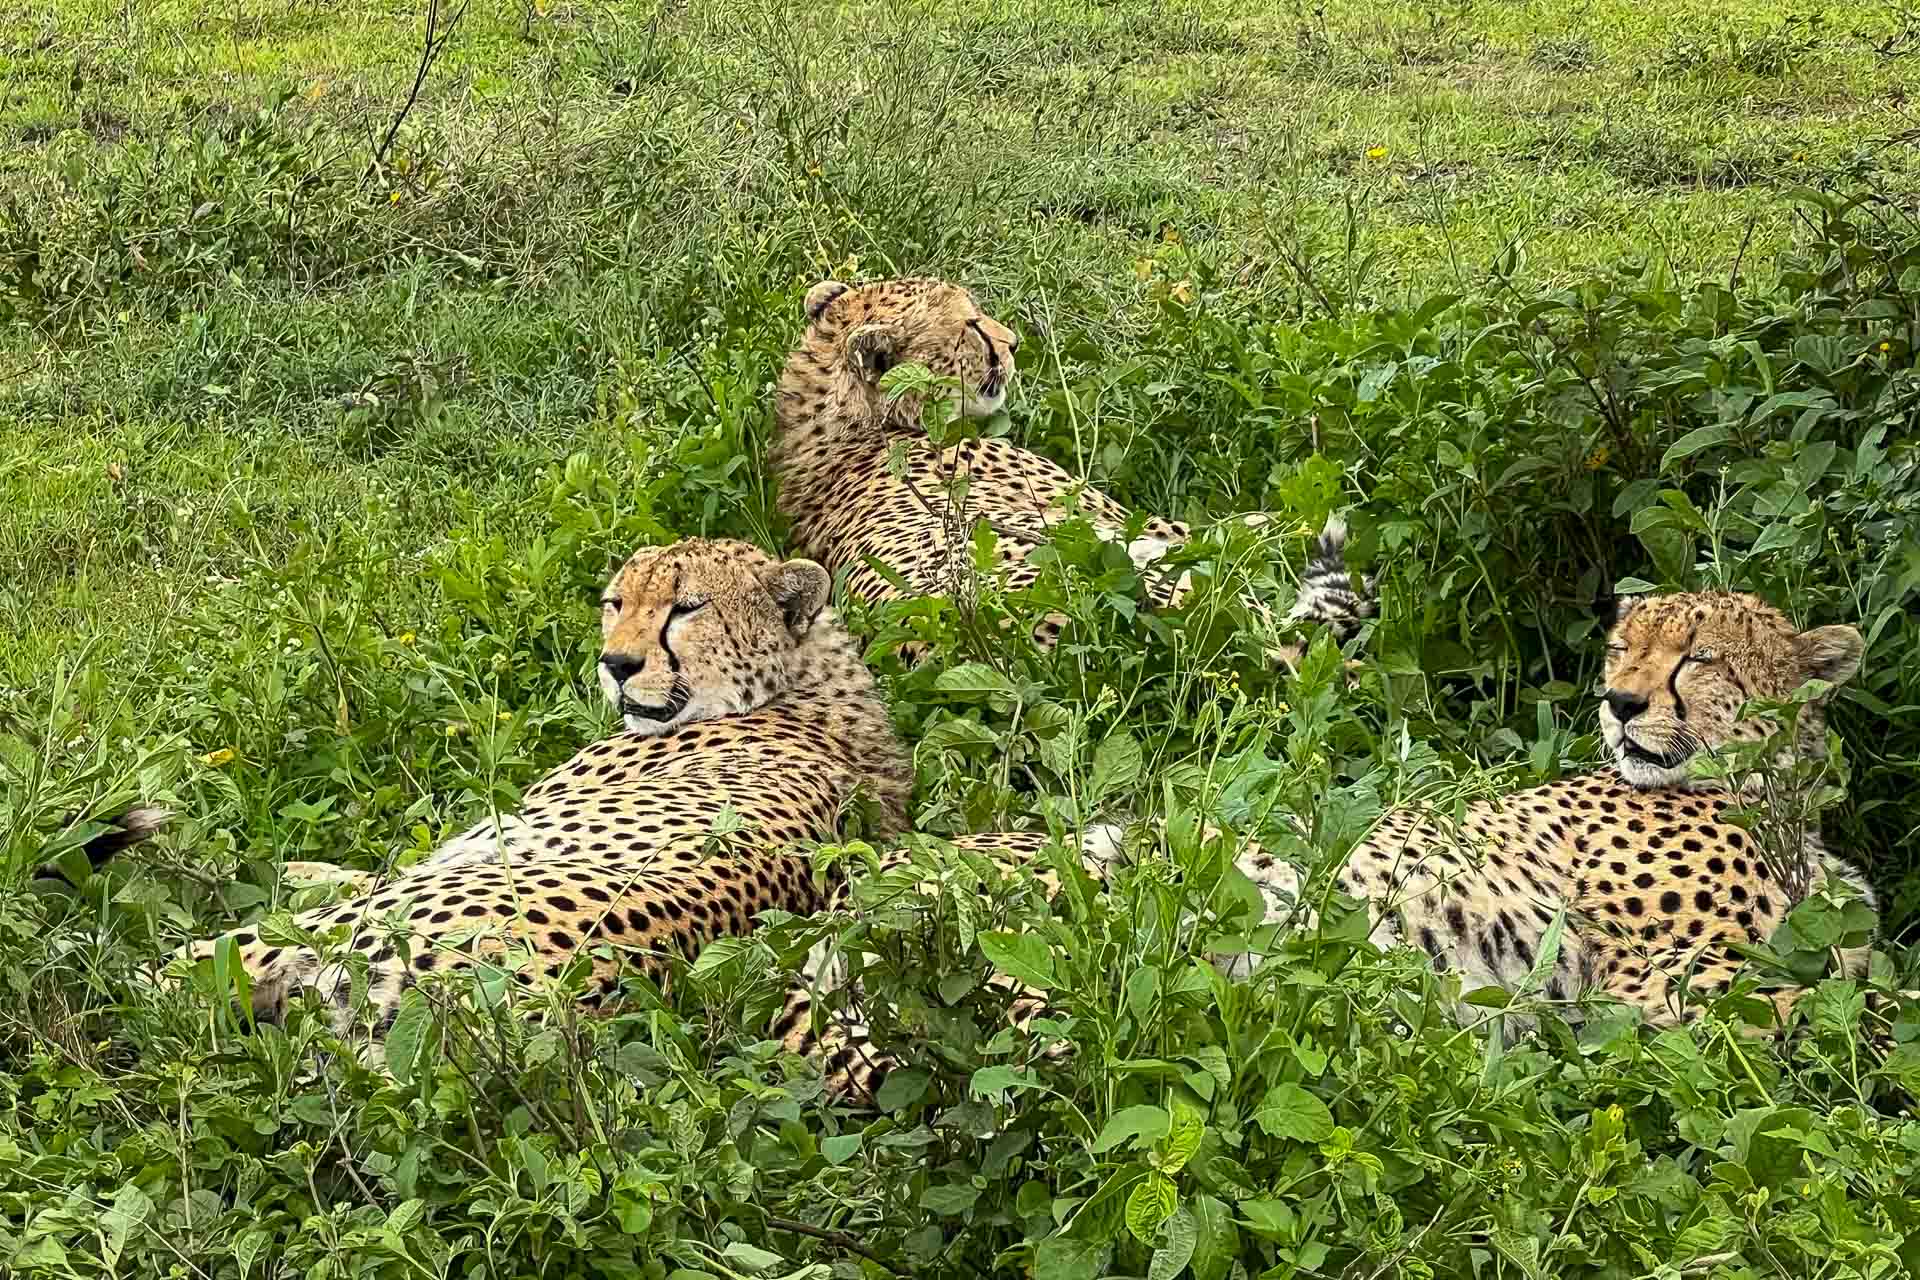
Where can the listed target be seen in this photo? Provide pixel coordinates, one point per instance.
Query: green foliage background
(311, 469)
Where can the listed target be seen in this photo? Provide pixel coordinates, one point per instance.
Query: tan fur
(1657, 882)
(743, 693)
(860, 481)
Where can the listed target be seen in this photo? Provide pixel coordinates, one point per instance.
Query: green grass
(310, 470)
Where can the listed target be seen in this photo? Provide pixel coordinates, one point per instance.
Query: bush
(1514, 456)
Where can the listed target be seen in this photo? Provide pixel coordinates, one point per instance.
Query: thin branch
(433, 43)
(1733, 276)
(840, 1238)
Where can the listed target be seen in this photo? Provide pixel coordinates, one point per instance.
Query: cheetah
(864, 490)
(1658, 884)
(747, 710)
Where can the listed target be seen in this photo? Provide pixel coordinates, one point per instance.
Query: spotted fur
(862, 486)
(741, 692)
(1658, 883)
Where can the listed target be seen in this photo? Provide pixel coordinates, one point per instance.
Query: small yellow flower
(1376, 153)
(1182, 292)
(405, 638)
(813, 170)
(456, 728)
(215, 759)
(1142, 268)
(1886, 346)
(1598, 458)
(505, 715)
(393, 197)
(1170, 233)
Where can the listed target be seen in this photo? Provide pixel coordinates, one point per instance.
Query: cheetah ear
(1831, 653)
(872, 349)
(1612, 608)
(800, 588)
(821, 296)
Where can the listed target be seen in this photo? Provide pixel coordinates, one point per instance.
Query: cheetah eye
(611, 604)
(1701, 655)
(683, 607)
(1616, 651)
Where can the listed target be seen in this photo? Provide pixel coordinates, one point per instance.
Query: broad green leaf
(751, 1258)
(959, 732)
(1033, 1198)
(1063, 1258)
(407, 1034)
(131, 1206)
(988, 1081)
(966, 913)
(1152, 1202)
(1141, 985)
(1183, 1138)
(1374, 381)
(1288, 1111)
(405, 1215)
(1020, 955)
(1695, 441)
(1549, 954)
(952, 1199)
(902, 1089)
(1116, 763)
(1132, 1123)
(1171, 1258)
(1520, 1248)
(1213, 1059)
(1217, 1242)
(1775, 536)
(973, 678)
(247, 1248)
(839, 1150)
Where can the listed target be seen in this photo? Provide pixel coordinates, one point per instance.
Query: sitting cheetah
(1656, 880)
(741, 693)
(860, 482)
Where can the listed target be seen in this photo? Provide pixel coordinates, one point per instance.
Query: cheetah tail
(1327, 595)
(133, 827)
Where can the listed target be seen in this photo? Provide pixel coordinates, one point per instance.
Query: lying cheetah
(862, 486)
(1656, 880)
(741, 693)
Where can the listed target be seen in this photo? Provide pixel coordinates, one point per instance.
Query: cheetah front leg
(1326, 595)
(532, 922)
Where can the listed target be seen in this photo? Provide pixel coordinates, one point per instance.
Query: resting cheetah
(1656, 881)
(741, 692)
(860, 483)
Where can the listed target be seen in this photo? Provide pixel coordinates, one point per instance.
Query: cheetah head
(703, 629)
(858, 332)
(1679, 667)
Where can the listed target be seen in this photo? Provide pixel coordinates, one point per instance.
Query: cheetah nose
(620, 666)
(1625, 705)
